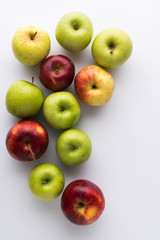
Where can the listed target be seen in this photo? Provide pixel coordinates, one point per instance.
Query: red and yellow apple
(94, 86)
(82, 202)
(27, 140)
(56, 72)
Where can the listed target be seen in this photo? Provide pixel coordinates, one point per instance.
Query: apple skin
(56, 72)
(73, 147)
(61, 110)
(46, 181)
(27, 140)
(111, 48)
(23, 99)
(82, 202)
(94, 86)
(30, 45)
(74, 31)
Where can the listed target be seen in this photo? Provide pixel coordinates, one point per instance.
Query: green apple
(73, 147)
(61, 110)
(46, 181)
(111, 48)
(31, 45)
(74, 31)
(23, 99)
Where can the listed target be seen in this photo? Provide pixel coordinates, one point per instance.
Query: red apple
(27, 140)
(94, 86)
(82, 202)
(56, 72)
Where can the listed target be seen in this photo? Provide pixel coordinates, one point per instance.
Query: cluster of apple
(82, 201)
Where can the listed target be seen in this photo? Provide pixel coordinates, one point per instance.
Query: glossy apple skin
(74, 31)
(82, 202)
(73, 147)
(23, 99)
(56, 72)
(46, 181)
(27, 140)
(94, 86)
(30, 45)
(61, 110)
(111, 48)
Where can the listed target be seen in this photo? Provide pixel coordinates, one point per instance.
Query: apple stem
(45, 181)
(94, 86)
(75, 25)
(80, 205)
(62, 109)
(32, 80)
(32, 36)
(72, 147)
(111, 51)
(56, 69)
(30, 149)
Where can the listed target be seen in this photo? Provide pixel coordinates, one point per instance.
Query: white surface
(125, 133)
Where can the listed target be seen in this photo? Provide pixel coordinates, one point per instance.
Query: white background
(125, 133)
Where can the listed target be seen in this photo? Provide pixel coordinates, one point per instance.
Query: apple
(27, 140)
(56, 72)
(111, 48)
(61, 110)
(74, 31)
(23, 99)
(46, 181)
(82, 202)
(30, 45)
(73, 147)
(93, 85)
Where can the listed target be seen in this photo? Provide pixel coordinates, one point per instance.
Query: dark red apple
(27, 140)
(82, 202)
(56, 72)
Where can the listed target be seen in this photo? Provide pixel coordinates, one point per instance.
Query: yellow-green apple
(23, 99)
(73, 147)
(46, 181)
(94, 86)
(111, 48)
(82, 202)
(74, 31)
(27, 140)
(56, 72)
(61, 110)
(31, 45)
